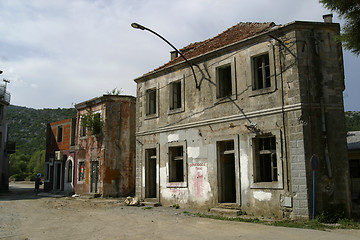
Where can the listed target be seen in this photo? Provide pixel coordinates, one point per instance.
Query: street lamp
(141, 27)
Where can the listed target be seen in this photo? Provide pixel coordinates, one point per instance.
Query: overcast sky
(59, 53)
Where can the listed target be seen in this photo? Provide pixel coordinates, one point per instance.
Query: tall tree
(350, 11)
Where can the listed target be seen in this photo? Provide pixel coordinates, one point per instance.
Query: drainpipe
(327, 158)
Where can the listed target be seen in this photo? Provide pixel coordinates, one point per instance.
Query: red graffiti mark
(199, 184)
(197, 164)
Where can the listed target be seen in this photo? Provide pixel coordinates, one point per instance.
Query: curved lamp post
(138, 26)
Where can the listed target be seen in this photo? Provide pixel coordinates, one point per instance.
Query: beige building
(241, 133)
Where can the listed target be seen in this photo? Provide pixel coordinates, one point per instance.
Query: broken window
(151, 101)
(96, 126)
(261, 70)
(266, 169)
(176, 164)
(81, 171)
(223, 81)
(175, 95)
(59, 133)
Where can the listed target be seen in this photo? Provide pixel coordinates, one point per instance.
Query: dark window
(81, 173)
(69, 171)
(151, 101)
(175, 95)
(224, 83)
(265, 159)
(176, 164)
(261, 72)
(59, 133)
(354, 165)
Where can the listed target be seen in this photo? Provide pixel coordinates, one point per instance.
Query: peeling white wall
(262, 196)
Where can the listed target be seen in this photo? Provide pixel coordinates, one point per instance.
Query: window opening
(176, 166)
(81, 174)
(224, 83)
(59, 133)
(265, 159)
(69, 171)
(175, 95)
(151, 101)
(261, 72)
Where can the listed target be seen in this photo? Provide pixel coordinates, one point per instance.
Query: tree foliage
(92, 121)
(352, 120)
(350, 11)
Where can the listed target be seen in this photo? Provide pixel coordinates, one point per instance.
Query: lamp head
(137, 26)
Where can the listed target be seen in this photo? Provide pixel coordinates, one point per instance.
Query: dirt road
(26, 215)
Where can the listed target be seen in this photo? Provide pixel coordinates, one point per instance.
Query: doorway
(94, 176)
(57, 175)
(150, 173)
(226, 171)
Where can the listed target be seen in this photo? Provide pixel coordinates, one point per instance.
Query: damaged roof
(239, 32)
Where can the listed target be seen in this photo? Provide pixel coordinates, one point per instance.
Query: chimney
(173, 54)
(328, 18)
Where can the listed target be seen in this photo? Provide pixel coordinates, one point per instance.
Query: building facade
(60, 156)
(106, 146)
(264, 103)
(4, 144)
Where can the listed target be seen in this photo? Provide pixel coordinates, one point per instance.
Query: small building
(240, 127)
(60, 156)
(6, 148)
(353, 141)
(106, 146)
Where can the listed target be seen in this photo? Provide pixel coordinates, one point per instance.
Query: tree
(350, 11)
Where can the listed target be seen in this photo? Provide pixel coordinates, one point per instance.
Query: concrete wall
(282, 110)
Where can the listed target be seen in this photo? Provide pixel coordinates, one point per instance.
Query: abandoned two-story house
(106, 146)
(60, 156)
(241, 133)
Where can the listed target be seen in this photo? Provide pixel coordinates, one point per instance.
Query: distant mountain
(28, 126)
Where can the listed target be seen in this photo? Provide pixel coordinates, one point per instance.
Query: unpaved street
(26, 215)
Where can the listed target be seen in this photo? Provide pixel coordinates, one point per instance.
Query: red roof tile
(232, 35)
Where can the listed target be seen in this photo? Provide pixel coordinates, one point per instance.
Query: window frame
(254, 183)
(177, 184)
(273, 83)
(147, 115)
(83, 131)
(172, 82)
(230, 62)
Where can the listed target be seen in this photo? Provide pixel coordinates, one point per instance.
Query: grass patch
(147, 208)
(315, 225)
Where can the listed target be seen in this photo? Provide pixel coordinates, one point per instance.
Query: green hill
(27, 126)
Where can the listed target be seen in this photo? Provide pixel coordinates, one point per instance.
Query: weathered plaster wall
(284, 110)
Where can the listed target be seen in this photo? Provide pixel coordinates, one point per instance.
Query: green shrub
(18, 177)
(333, 214)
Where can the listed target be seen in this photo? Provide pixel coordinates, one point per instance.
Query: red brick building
(60, 167)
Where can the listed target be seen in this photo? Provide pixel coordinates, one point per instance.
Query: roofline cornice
(280, 29)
